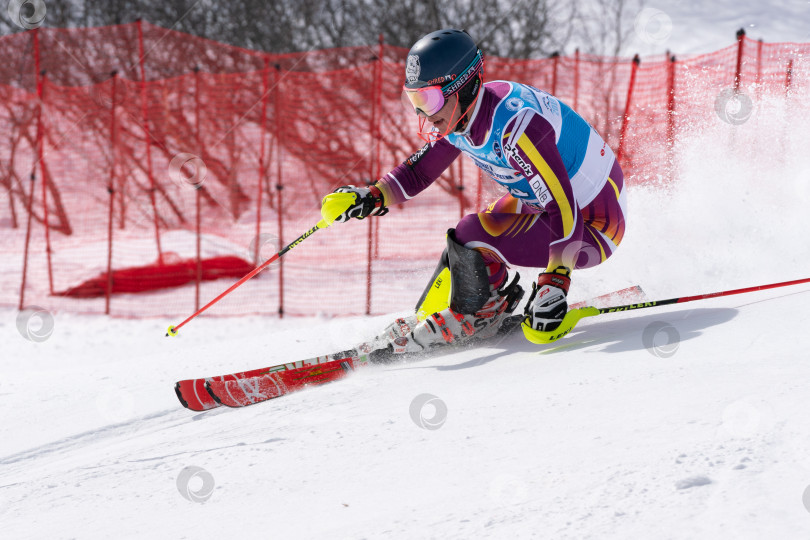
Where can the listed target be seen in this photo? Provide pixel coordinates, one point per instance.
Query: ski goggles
(429, 100)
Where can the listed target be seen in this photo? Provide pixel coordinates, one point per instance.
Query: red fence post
(759, 67)
(625, 120)
(479, 195)
(44, 172)
(460, 188)
(33, 175)
(738, 69)
(28, 235)
(279, 186)
(111, 191)
(260, 177)
(556, 63)
(376, 98)
(147, 137)
(378, 138)
(198, 191)
(40, 82)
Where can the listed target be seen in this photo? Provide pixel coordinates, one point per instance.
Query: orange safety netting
(118, 125)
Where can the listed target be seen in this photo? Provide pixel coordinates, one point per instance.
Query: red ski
(248, 387)
(194, 396)
(251, 390)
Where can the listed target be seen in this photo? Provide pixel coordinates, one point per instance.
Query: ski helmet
(448, 58)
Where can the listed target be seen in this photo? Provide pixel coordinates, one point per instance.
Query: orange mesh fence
(161, 162)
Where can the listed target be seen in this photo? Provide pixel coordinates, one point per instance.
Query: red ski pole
(683, 299)
(575, 315)
(322, 224)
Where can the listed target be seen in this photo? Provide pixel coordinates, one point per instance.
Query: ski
(251, 390)
(194, 396)
(257, 385)
(248, 391)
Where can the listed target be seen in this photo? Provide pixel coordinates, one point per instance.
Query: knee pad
(460, 281)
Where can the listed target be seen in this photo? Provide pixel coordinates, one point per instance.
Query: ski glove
(548, 305)
(348, 202)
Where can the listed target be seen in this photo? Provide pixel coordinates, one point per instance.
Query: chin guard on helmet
(460, 281)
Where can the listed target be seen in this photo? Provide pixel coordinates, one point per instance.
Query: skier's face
(447, 115)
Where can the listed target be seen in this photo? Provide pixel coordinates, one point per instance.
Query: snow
(595, 437)
(682, 422)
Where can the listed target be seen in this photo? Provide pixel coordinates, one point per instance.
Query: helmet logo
(412, 69)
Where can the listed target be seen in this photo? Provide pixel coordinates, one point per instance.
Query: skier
(564, 208)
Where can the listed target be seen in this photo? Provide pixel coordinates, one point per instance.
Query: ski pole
(322, 224)
(575, 315)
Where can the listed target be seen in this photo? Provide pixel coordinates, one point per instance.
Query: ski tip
(179, 393)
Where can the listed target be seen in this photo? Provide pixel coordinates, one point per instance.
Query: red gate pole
(671, 115)
(738, 69)
(626, 119)
(111, 191)
(147, 136)
(279, 186)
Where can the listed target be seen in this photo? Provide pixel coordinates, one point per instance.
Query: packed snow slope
(688, 421)
(601, 436)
